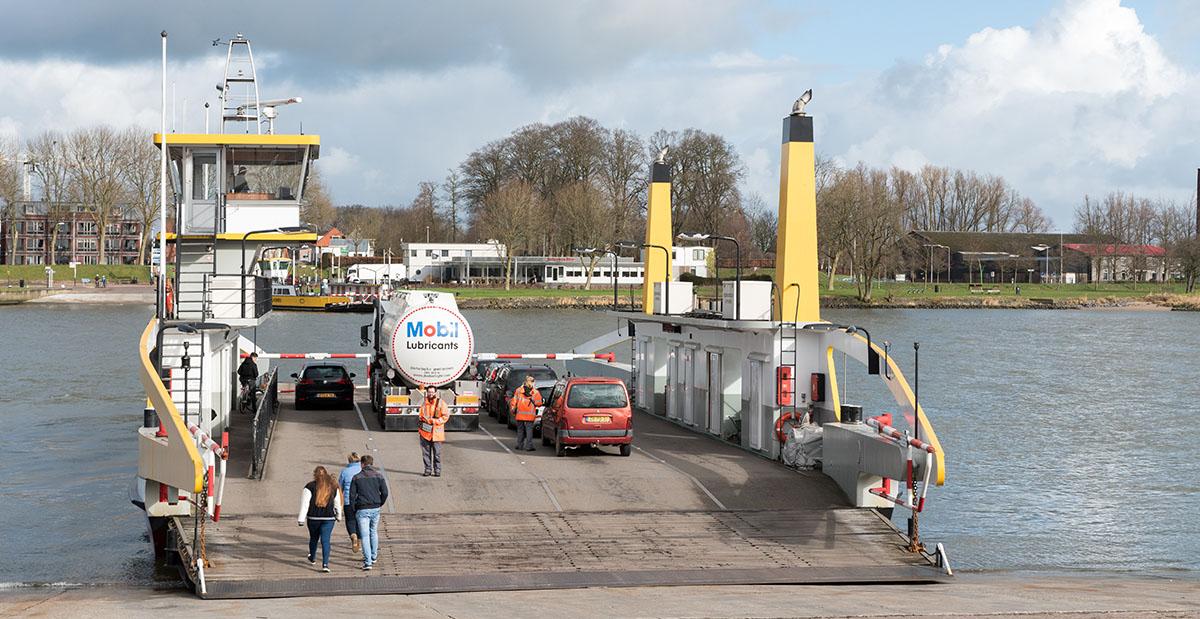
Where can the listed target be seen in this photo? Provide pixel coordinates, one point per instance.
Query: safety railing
(227, 297)
(264, 418)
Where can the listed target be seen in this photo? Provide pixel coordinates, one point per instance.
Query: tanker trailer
(421, 339)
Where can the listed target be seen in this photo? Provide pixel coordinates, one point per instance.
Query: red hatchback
(588, 411)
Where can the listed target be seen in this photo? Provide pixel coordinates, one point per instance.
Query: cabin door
(203, 183)
(753, 418)
(687, 368)
(716, 393)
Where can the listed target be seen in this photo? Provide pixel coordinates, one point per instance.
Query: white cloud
(1086, 101)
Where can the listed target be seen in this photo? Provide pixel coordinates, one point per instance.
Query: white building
(432, 261)
(482, 262)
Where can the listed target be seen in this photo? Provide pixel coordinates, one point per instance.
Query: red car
(588, 411)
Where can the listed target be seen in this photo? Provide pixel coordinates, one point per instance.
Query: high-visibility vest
(433, 420)
(524, 406)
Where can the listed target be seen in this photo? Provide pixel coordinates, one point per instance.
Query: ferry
(286, 297)
(737, 475)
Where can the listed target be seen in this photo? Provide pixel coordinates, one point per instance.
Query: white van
(376, 273)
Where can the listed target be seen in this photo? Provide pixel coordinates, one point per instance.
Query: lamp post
(591, 251)
(666, 265)
(284, 230)
(932, 245)
(737, 264)
(1045, 249)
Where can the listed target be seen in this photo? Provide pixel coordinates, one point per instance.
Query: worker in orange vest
(523, 406)
(433, 418)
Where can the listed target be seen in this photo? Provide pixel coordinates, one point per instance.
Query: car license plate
(326, 395)
(596, 419)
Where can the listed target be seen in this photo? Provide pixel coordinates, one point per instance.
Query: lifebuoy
(169, 300)
(779, 433)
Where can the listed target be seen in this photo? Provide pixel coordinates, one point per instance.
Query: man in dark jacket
(248, 374)
(368, 492)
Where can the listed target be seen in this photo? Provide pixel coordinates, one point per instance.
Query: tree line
(99, 169)
(1128, 219)
(549, 188)
(864, 214)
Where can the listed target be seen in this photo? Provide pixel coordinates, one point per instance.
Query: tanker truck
(419, 339)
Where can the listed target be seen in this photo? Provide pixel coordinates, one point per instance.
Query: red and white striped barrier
(482, 356)
(560, 356)
(310, 355)
(909, 443)
(205, 442)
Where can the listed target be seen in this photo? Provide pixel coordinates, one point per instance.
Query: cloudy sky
(1062, 97)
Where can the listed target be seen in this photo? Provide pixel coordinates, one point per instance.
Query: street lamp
(737, 264)
(666, 267)
(947, 259)
(591, 251)
(283, 230)
(1045, 249)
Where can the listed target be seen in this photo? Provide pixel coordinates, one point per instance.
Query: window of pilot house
(697, 254)
(264, 174)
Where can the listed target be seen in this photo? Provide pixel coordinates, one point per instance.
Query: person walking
(344, 478)
(523, 406)
(433, 418)
(368, 492)
(320, 507)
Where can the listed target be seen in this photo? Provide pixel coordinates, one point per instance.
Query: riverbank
(557, 298)
(969, 595)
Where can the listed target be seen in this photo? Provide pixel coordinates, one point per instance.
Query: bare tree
(317, 207)
(10, 191)
(139, 173)
(764, 224)
(511, 216)
(622, 176)
(50, 164)
(452, 193)
(93, 154)
(580, 212)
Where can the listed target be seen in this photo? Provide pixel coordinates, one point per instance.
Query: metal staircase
(195, 267)
(182, 362)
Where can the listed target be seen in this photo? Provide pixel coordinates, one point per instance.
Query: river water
(1068, 434)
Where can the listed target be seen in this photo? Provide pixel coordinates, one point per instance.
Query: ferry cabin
(236, 195)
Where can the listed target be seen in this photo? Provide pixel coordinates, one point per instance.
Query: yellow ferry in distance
(285, 297)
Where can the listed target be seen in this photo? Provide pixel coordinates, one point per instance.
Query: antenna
(239, 91)
(240, 101)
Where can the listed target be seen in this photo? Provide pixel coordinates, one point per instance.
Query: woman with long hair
(320, 507)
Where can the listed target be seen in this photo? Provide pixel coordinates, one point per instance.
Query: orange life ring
(779, 433)
(170, 303)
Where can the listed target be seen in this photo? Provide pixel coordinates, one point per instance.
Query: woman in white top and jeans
(321, 507)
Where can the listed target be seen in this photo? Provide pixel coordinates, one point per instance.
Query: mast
(239, 92)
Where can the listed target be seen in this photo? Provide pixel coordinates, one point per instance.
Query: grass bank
(35, 274)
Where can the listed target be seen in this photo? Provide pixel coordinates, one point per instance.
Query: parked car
(490, 385)
(324, 383)
(588, 411)
(512, 376)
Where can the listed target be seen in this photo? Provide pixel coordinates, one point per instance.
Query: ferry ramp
(683, 509)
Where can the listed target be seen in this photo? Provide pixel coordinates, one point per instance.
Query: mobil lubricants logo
(436, 335)
(432, 345)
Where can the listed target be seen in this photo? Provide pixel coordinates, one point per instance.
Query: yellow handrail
(170, 464)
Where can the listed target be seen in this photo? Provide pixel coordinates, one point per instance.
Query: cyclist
(248, 375)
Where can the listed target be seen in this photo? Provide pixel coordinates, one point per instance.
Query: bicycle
(248, 398)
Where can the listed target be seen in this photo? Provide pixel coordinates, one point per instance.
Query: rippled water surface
(1068, 434)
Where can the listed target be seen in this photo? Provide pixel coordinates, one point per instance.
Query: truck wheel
(626, 449)
(545, 440)
(559, 450)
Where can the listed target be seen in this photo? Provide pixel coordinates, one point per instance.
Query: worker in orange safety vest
(523, 406)
(433, 417)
